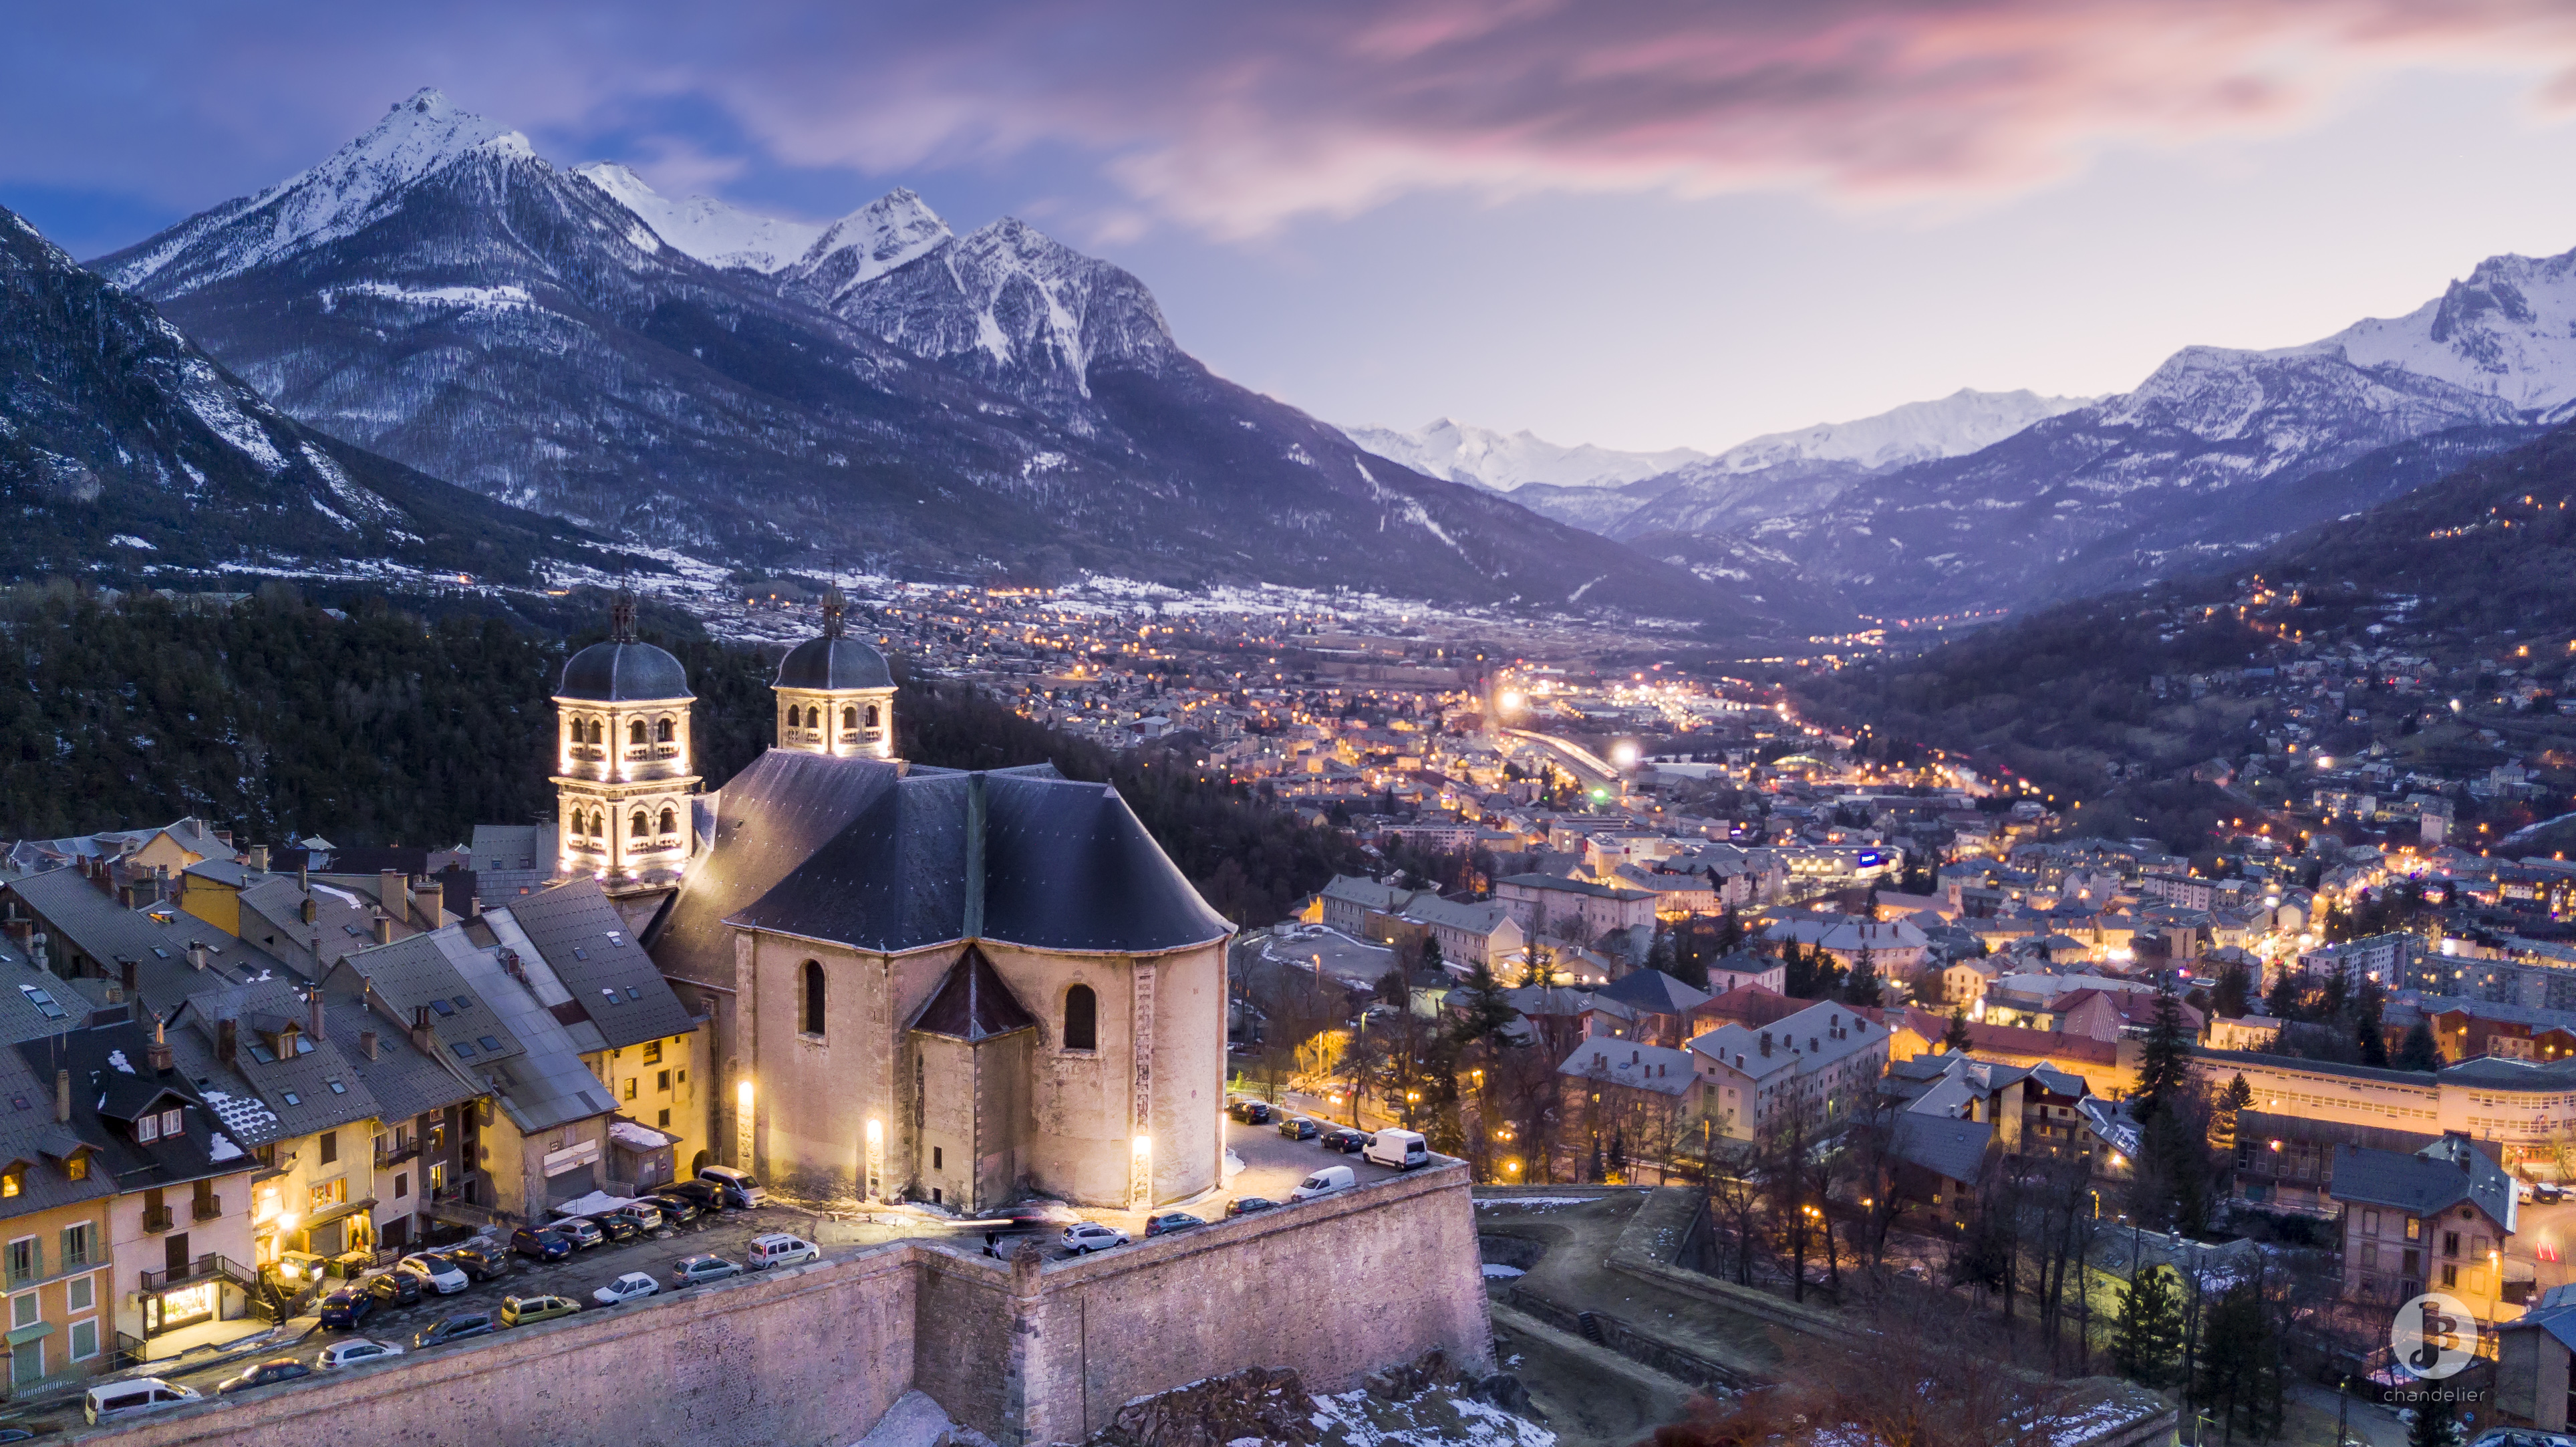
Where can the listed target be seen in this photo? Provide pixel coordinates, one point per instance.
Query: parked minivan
(1324, 1182)
(779, 1249)
(741, 1191)
(1402, 1149)
(119, 1400)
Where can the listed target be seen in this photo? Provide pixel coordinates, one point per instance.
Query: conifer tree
(2148, 1347)
(2163, 1066)
(1864, 987)
(1955, 1038)
(2417, 1051)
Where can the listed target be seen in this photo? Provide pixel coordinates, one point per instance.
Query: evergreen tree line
(278, 720)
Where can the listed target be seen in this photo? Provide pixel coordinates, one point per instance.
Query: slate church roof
(880, 857)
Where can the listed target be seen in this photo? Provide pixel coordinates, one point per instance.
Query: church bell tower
(835, 693)
(625, 768)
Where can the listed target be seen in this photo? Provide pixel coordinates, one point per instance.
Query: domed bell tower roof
(622, 670)
(832, 663)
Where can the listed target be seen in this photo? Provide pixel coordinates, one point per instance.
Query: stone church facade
(921, 984)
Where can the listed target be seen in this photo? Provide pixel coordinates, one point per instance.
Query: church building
(922, 984)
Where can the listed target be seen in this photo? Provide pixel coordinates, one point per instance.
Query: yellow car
(526, 1310)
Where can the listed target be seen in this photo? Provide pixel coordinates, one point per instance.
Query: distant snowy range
(489, 346)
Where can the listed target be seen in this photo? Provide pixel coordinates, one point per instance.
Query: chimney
(315, 1028)
(1766, 1042)
(393, 891)
(304, 873)
(196, 954)
(433, 898)
(312, 912)
(227, 1039)
(259, 859)
(420, 1032)
(159, 1053)
(384, 929)
(125, 973)
(62, 1097)
(367, 1043)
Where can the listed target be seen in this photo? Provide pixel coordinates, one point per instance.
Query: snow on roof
(641, 1137)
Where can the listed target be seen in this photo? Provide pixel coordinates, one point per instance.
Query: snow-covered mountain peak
(417, 138)
(1951, 426)
(2508, 329)
(1460, 452)
(715, 232)
(885, 233)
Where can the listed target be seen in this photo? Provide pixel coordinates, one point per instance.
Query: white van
(741, 1191)
(1402, 1149)
(1324, 1182)
(119, 1400)
(779, 1249)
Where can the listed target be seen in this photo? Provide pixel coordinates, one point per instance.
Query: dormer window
(147, 1129)
(170, 1125)
(76, 1166)
(12, 1181)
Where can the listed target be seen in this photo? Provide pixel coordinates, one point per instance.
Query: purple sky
(1640, 224)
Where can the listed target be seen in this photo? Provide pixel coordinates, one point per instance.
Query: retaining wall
(1025, 1351)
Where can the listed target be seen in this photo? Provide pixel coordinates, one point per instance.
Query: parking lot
(1273, 1165)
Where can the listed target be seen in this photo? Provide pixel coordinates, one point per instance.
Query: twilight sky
(1642, 224)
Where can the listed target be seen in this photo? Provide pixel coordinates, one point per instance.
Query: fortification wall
(810, 1357)
(1026, 1352)
(1334, 1288)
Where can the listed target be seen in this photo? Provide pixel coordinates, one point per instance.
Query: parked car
(541, 1243)
(454, 1328)
(1171, 1221)
(620, 1225)
(394, 1288)
(1299, 1128)
(1328, 1181)
(353, 1351)
(633, 1286)
(2548, 1193)
(527, 1310)
(1252, 1112)
(676, 1210)
(284, 1369)
(741, 1191)
(581, 1231)
(483, 1263)
(1343, 1139)
(696, 1269)
(702, 1194)
(1402, 1149)
(1246, 1205)
(1086, 1237)
(436, 1272)
(1035, 1214)
(119, 1400)
(349, 1306)
(780, 1249)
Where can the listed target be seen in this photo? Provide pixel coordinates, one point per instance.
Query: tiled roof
(589, 948)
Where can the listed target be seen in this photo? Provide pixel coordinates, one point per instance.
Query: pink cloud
(1234, 118)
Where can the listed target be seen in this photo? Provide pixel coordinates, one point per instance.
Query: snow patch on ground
(1499, 1271)
(916, 1421)
(1435, 1418)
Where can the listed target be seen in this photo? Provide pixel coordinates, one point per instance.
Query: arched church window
(809, 1018)
(795, 717)
(849, 718)
(639, 826)
(667, 731)
(635, 731)
(598, 825)
(670, 822)
(872, 715)
(1081, 1019)
(598, 732)
(574, 728)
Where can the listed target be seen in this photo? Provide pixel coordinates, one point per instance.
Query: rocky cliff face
(125, 449)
